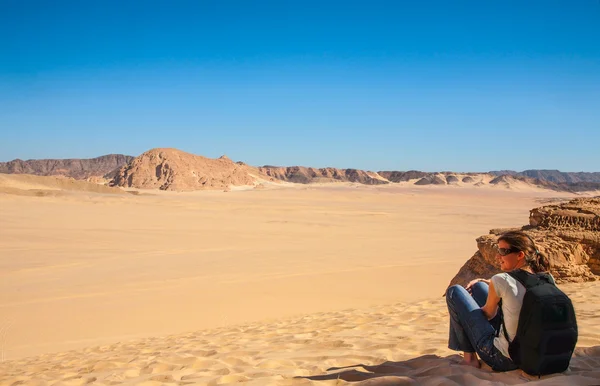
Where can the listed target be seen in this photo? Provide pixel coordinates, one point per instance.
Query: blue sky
(378, 85)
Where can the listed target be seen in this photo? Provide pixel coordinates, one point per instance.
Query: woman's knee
(479, 291)
(453, 291)
(481, 285)
(458, 298)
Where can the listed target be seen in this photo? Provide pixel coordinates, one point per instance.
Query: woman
(475, 323)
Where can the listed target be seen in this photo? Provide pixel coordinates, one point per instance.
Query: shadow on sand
(435, 370)
(396, 373)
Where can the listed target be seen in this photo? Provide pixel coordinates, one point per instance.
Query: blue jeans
(470, 330)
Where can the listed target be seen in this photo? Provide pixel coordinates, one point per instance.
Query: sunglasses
(506, 251)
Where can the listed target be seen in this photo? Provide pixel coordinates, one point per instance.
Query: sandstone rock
(568, 233)
(468, 180)
(172, 169)
(576, 214)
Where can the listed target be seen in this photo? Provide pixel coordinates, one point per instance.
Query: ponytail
(538, 262)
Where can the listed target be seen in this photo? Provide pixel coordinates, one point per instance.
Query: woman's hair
(523, 242)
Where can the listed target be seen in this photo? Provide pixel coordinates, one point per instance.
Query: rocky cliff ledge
(568, 233)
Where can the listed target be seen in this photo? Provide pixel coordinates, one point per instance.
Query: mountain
(554, 175)
(503, 172)
(562, 177)
(555, 179)
(77, 168)
(172, 169)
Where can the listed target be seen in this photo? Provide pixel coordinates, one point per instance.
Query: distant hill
(172, 169)
(432, 179)
(76, 168)
(306, 175)
(503, 173)
(562, 177)
(555, 179)
(554, 175)
(395, 176)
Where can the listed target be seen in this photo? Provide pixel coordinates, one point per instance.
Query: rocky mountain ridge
(306, 175)
(79, 169)
(108, 167)
(555, 176)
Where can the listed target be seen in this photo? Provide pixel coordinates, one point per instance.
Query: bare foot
(473, 363)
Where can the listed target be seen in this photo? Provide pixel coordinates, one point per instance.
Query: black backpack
(547, 329)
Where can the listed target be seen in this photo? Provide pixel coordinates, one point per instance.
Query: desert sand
(269, 286)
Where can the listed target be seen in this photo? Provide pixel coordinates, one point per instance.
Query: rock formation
(451, 179)
(568, 233)
(76, 168)
(304, 175)
(394, 176)
(432, 179)
(172, 169)
(468, 180)
(503, 180)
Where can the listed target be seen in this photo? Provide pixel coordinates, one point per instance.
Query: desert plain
(280, 285)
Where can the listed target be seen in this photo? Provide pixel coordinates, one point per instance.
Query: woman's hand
(472, 283)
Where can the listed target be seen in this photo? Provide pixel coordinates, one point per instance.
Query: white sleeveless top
(511, 292)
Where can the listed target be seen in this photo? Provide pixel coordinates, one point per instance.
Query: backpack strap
(500, 315)
(527, 279)
(530, 280)
(504, 330)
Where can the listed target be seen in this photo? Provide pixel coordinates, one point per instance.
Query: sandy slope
(257, 272)
(390, 344)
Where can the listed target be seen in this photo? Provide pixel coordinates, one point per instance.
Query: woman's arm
(491, 305)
